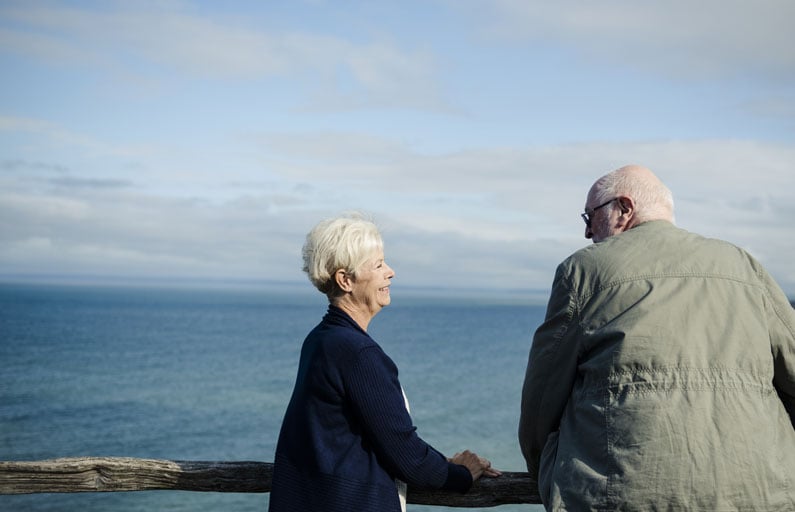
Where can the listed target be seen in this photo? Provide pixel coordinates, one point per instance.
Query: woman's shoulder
(346, 337)
(339, 341)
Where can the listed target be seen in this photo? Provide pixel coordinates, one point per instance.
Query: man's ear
(627, 220)
(344, 280)
(626, 205)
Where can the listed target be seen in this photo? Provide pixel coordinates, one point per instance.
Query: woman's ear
(344, 280)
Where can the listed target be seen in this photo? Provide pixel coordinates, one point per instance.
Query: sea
(205, 373)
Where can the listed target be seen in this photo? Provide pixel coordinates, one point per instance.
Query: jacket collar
(336, 316)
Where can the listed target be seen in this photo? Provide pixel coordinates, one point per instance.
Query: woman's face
(371, 286)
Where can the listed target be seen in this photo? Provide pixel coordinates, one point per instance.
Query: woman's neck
(358, 312)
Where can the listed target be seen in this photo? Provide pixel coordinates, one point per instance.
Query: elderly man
(663, 376)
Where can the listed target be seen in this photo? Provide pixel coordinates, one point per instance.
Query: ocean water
(205, 374)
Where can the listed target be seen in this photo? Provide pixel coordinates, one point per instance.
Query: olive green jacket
(663, 378)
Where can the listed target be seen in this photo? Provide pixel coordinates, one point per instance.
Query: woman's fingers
(477, 466)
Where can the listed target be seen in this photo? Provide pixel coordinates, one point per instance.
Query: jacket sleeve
(551, 371)
(378, 402)
(781, 322)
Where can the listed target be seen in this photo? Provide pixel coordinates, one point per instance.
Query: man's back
(673, 343)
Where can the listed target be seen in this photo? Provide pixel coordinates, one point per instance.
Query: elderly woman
(347, 442)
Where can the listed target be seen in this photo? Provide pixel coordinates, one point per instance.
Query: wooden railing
(113, 474)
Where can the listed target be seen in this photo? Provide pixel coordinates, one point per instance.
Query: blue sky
(202, 140)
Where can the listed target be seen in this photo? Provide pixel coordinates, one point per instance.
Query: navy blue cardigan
(346, 434)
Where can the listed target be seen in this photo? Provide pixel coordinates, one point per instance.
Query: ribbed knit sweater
(346, 434)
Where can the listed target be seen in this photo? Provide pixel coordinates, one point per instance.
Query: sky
(201, 141)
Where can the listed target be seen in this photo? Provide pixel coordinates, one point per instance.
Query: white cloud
(496, 217)
(687, 39)
(49, 137)
(140, 38)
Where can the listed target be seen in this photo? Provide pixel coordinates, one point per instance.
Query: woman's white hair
(344, 242)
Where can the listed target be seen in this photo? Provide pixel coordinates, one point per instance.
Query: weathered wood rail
(117, 474)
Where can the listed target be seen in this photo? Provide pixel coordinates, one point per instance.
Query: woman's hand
(477, 466)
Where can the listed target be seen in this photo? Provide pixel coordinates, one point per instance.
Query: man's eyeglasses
(586, 216)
